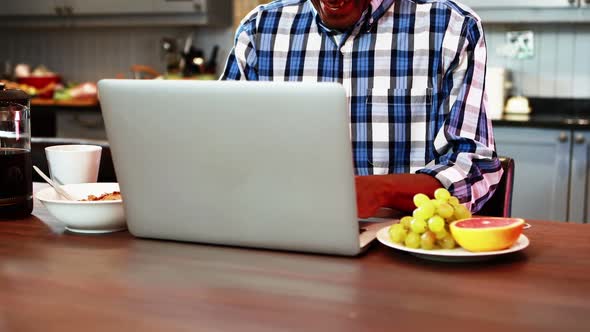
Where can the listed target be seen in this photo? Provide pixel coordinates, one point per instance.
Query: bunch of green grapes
(428, 227)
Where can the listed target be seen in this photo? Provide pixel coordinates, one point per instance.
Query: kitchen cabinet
(93, 7)
(542, 170)
(180, 6)
(103, 7)
(29, 7)
(579, 205)
(117, 7)
(531, 11)
(66, 119)
(116, 13)
(521, 3)
(139, 6)
(80, 124)
(552, 173)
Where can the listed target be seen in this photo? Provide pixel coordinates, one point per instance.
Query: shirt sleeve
(466, 162)
(242, 60)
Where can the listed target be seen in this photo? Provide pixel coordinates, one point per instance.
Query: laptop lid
(255, 164)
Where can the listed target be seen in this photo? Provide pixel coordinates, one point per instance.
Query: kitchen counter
(551, 113)
(88, 103)
(556, 121)
(80, 118)
(547, 113)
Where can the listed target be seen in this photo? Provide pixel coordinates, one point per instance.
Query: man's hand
(392, 190)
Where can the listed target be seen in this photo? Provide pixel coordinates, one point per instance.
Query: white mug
(73, 163)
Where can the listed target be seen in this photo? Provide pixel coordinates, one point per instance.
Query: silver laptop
(265, 165)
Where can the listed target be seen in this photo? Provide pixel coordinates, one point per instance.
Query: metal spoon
(57, 188)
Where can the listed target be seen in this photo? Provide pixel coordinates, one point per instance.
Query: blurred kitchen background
(538, 76)
(85, 40)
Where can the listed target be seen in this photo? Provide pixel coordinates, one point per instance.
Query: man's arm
(467, 163)
(242, 60)
(391, 190)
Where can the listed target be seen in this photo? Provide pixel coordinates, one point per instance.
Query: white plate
(451, 255)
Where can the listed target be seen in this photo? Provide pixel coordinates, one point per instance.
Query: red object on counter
(41, 83)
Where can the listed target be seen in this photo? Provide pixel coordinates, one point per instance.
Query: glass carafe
(16, 184)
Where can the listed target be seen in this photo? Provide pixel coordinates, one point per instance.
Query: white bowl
(90, 217)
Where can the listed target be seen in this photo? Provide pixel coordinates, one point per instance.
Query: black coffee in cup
(16, 186)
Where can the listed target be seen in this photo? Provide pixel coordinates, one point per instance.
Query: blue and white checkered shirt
(414, 74)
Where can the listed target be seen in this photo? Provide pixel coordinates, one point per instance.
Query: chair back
(500, 204)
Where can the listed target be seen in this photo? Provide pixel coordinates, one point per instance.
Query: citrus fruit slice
(487, 234)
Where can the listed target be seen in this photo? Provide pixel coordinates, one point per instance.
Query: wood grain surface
(56, 281)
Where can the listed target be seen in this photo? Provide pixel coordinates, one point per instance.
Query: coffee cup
(73, 163)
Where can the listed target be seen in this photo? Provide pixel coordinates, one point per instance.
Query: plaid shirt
(414, 75)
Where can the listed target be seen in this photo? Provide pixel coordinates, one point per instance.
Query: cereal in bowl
(114, 196)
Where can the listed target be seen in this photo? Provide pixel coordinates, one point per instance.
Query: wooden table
(56, 281)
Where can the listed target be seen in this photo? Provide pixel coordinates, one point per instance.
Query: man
(414, 75)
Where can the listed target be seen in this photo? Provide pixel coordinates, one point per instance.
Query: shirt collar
(378, 8)
(375, 4)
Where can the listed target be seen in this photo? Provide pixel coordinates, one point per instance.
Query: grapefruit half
(487, 234)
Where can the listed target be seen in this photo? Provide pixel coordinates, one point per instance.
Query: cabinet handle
(580, 139)
(563, 137)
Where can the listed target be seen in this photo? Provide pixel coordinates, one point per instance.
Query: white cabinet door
(542, 170)
(180, 6)
(579, 207)
(29, 7)
(102, 7)
(492, 4)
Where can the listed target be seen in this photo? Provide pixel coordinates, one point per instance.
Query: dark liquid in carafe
(16, 185)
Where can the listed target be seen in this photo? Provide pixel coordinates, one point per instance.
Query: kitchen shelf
(91, 21)
(85, 13)
(535, 15)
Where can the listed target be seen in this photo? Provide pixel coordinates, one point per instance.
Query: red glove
(396, 191)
